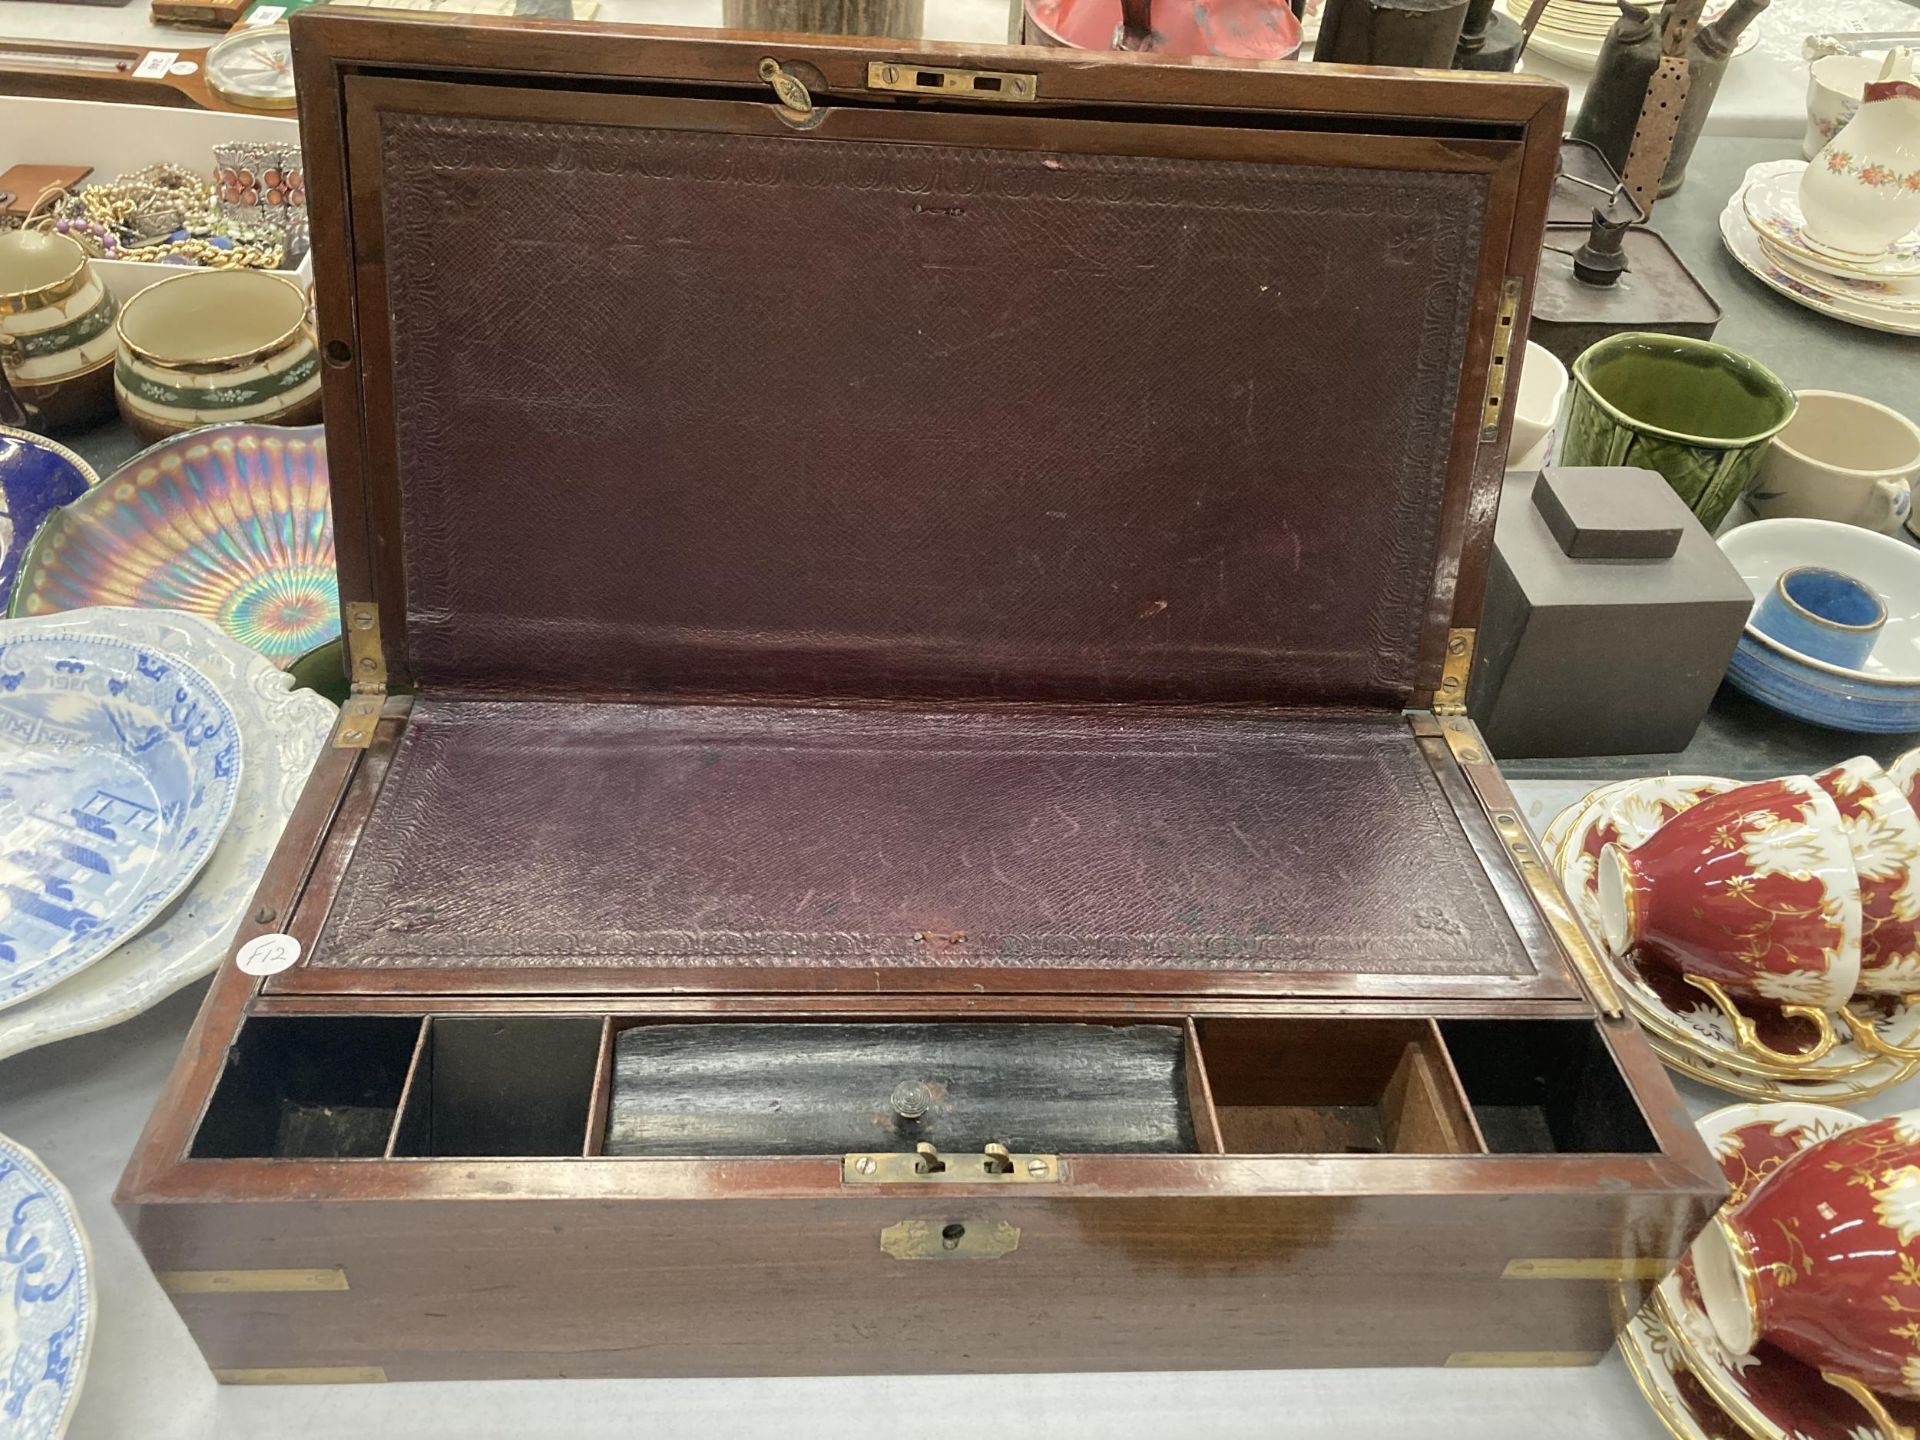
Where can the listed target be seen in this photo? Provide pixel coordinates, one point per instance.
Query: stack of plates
(147, 766)
(1681, 1026)
(1762, 229)
(1697, 1389)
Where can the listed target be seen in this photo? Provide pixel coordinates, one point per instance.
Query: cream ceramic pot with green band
(211, 346)
(56, 329)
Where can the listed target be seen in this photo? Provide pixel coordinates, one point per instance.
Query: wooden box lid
(1153, 382)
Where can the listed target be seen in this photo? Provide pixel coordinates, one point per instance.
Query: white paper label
(155, 64)
(266, 15)
(268, 954)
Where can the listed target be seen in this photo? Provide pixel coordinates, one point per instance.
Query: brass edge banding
(1522, 1359)
(1463, 739)
(304, 1375)
(1588, 1268)
(250, 1282)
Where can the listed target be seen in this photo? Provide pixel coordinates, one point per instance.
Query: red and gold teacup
(1883, 833)
(1823, 1260)
(1750, 894)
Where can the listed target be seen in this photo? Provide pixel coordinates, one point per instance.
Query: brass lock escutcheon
(950, 1239)
(925, 1165)
(796, 101)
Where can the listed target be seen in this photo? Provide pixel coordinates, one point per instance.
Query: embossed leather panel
(510, 835)
(702, 413)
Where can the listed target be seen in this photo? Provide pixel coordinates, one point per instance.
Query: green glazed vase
(1700, 414)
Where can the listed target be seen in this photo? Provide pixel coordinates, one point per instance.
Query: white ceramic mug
(1543, 390)
(1834, 87)
(1841, 457)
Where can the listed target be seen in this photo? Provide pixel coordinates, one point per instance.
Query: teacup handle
(1869, 1039)
(1748, 1038)
(1898, 497)
(1870, 1402)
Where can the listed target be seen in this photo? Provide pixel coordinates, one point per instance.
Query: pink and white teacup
(1750, 894)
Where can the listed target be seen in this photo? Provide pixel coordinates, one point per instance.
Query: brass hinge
(1452, 697)
(1463, 739)
(1523, 1359)
(1001, 86)
(925, 1165)
(1503, 329)
(366, 674)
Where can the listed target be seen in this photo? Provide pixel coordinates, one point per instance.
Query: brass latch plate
(991, 1167)
(999, 86)
(1496, 394)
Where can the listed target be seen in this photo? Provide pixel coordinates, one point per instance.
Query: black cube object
(1610, 617)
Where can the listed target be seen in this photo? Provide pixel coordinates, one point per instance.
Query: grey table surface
(81, 1103)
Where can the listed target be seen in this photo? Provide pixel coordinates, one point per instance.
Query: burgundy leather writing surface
(514, 835)
(697, 413)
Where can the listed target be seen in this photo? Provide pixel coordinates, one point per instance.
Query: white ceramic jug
(1862, 192)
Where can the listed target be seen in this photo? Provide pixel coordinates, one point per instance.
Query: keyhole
(950, 1236)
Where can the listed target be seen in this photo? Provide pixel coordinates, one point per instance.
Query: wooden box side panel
(472, 1289)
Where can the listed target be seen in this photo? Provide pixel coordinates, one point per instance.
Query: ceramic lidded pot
(1750, 893)
(56, 330)
(1862, 192)
(213, 346)
(1700, 414)
(1823, 1258)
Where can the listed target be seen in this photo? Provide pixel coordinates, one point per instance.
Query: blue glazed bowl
(1823, 614)
(1881, 695)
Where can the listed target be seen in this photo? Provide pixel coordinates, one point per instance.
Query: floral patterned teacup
(1751, 893)
(1823, 1259)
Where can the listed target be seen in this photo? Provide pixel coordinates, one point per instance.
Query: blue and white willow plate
(282, 731)
(118, 771)
(46, 1299)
